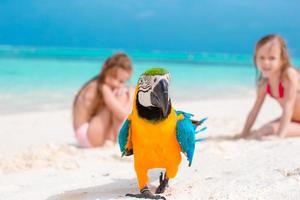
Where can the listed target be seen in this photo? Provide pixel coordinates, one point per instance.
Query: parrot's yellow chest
(155, 144)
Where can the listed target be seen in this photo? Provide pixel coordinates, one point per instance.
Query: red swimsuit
(280, 89)
(281, 94)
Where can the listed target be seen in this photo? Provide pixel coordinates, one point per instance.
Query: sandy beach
(40, 159)
(213, 59)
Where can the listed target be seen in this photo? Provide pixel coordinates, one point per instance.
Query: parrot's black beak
(160, 96)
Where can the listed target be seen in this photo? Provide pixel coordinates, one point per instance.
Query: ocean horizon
(33, 78)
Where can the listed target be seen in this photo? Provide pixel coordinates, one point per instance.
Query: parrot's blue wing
(125, 139)
(185, 133)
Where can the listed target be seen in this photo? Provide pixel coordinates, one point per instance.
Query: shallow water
(48, 78)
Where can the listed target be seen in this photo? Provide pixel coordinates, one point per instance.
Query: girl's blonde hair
(109, 68)
(284, 55)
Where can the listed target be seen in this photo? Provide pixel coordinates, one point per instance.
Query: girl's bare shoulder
(291, 74)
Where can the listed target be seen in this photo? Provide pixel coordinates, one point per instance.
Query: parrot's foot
(146, 194)
(163, 184)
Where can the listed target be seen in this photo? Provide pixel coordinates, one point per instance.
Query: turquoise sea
(48, 78)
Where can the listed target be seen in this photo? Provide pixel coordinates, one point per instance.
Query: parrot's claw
(161, 177)
(163, 184)
(146, 194)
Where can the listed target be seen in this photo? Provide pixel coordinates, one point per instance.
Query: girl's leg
(267, 129)
(293, 129)
(99, 128)
(116, 126)
(111, 134)
(271, 128)
(116, 123)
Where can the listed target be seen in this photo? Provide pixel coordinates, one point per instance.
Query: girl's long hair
(109, 68)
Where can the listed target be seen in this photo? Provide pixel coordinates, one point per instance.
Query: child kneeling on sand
(281, 81)
(103, 103)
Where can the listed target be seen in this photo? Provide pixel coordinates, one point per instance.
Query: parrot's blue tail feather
(200, 139)
(201, 130)
(203, 120)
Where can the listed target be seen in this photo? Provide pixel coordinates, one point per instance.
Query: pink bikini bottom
(81, 135)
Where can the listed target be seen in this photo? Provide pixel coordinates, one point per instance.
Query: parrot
(155, 133)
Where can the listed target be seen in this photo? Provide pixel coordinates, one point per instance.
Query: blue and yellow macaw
(155, 133)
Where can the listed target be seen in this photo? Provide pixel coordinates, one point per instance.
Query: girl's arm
(261, 94)
(113, 104)
(291, 84)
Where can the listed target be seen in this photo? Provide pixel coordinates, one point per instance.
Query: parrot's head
(153, 101)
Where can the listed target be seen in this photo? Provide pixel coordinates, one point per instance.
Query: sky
(217, 26)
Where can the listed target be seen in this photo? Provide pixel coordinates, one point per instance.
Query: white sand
(39, 160)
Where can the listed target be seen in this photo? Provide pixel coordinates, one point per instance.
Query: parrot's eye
(155, 79)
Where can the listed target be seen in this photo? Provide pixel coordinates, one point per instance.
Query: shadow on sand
(114, 190)
(237, 136)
